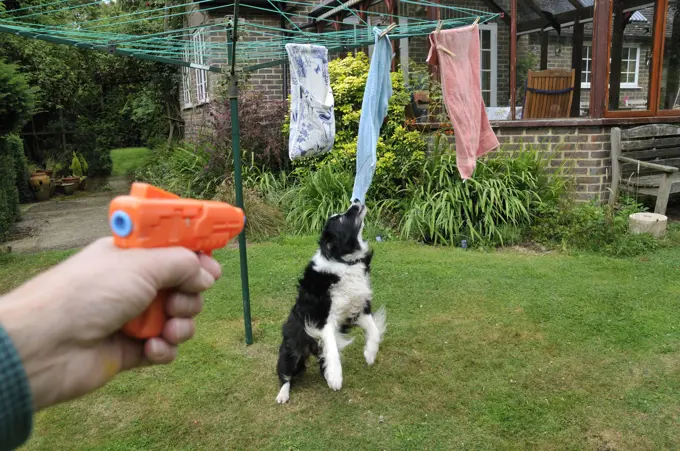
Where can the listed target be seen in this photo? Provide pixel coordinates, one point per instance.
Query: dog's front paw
(370, 352)
(284, 394)
(334, 378)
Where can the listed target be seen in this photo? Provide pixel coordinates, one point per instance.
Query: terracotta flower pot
(71, 180)
(40, 183)
(69, 188)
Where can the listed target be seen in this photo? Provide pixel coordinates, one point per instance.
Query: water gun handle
(150, 323)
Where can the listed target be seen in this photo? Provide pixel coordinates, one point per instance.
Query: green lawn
(127, 159)
(500, 350)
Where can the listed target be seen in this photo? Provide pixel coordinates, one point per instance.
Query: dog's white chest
(349, 295)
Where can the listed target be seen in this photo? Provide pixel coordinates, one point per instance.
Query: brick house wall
(269, 80)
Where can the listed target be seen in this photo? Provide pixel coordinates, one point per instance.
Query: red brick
(549, 139)
(586, 180)
(575, 138)
(600, 154)
(589, 163)
(504, 139)
(526, 139)
(590, 146)
(598, 171)
(577, 155)
(600, 138)
(589, 130)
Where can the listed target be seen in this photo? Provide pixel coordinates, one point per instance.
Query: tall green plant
(493, 207)
(321, 194)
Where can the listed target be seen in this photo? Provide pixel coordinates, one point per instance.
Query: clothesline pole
(238, 182)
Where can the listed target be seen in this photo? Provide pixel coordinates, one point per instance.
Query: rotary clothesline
(259, 45)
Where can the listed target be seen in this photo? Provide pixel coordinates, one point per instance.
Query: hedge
(13, 180)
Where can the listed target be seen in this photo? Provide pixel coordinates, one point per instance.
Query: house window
(200, 59)
(186, 82)
(488, 60)
(630, 67)
(586, 66)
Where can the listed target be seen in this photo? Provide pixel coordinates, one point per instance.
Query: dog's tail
(342, 340)
(380, 319)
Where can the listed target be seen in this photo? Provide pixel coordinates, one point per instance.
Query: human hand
(65, 323)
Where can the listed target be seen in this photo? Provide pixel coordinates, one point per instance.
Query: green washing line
(172, 50)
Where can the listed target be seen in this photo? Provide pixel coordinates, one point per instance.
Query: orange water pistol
(150, 218)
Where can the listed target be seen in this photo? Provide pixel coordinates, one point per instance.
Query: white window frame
(186, 81)
(201, 75)
(635, 84)
(588, 48)
(493, 28)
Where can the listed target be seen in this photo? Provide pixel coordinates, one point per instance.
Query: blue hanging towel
(373, 111)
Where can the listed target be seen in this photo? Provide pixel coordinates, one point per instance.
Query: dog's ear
(326, 243)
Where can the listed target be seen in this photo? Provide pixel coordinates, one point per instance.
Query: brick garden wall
(586, 151)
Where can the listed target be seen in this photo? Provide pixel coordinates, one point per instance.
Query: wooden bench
(646, 160)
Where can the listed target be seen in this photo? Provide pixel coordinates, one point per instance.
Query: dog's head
(341, 238)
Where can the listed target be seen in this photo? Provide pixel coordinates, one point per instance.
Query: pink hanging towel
(456, 52)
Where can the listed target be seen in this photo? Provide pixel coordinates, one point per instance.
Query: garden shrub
(94, 141)
(11, 159)
(495, 207)
(16, 147)
(17, 99)
(17, 102)
(399, 150)
(591, 227)
(264, 220)
(260, 124)
(182, 170)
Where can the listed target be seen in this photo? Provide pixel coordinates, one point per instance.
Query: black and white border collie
(334, 294)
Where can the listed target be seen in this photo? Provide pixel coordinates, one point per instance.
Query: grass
(128, 159)
(501, 350)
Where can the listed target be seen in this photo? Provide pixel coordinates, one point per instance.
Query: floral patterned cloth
(312, 121)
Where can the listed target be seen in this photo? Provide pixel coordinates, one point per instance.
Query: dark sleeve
(16, 404)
